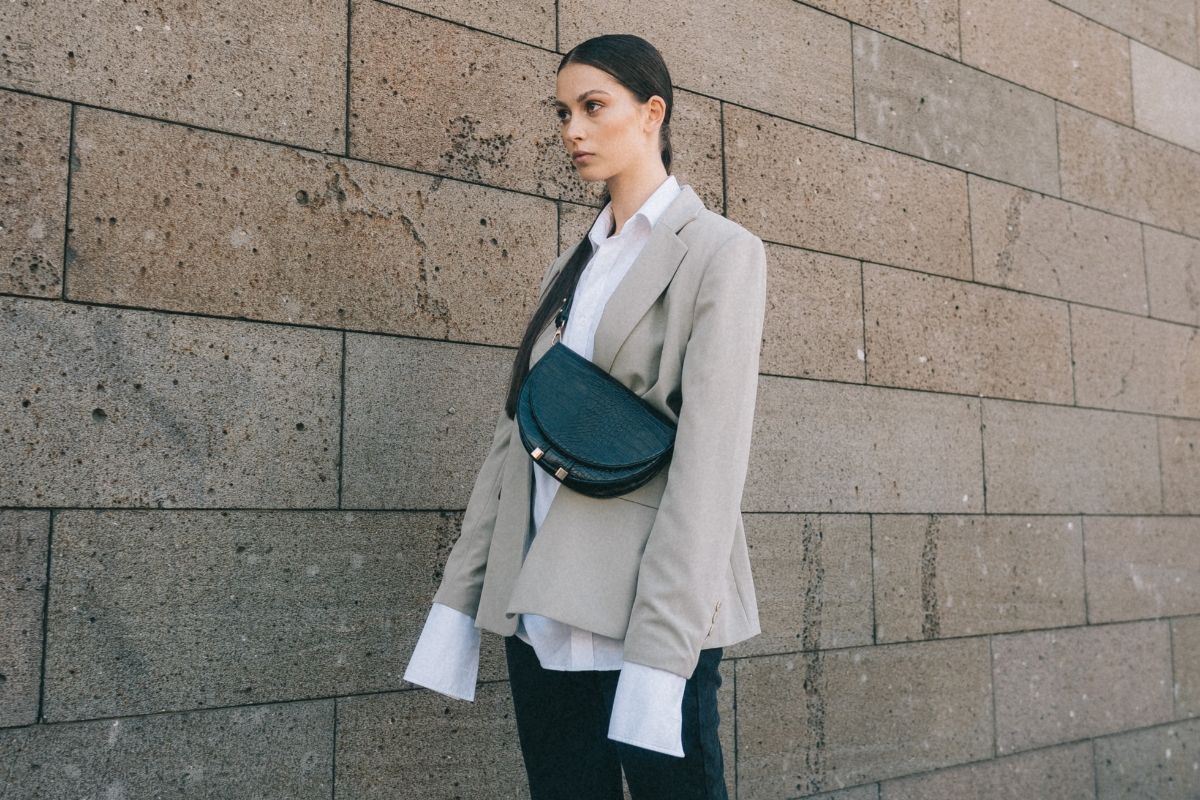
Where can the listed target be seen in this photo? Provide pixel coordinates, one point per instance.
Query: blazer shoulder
(710, 231)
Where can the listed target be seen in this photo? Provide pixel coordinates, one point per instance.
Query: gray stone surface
(1047, 460)
(1127, 172)
(154, 611)
(529, 21)
(1077, 683)
(172, 218)
(1179, 443)
(1142, 567)
(932, 25)
(814, 324)
(812, 580)
(1028, 241)
(795, 185)
(963, 576)
(825, 447)
(938, 334)
(1168, 25)
(1130, 363)
(1052, 50)
(419, 420)
(916, 102)
(574, 222)
(868, 792)
(1185, 647)
(1173, 274)
(34, 137)
(24, 536)
(1166, 97)
(272, 69)
(105, 407)
(272, 752)
(821, 720)
(422, 745)
(1062, 773)
(1161, 763)
(777, 56)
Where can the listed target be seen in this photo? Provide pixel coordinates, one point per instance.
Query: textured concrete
(1173, 274)
(34, 136)
(1046, 460)
(812, 579)
(1132, 363)
(1166, 97)
(186, 220)
(419, 420)
(1076, 683)
(817, 721)
(836, 447)
(938, 334)
(867, 792)
(105, 407)
(778, 56)
(964, 576)
(574, 222)
(23, 551)
(1162, 763)
(916, 102)
(423, 745)
(795, 185)
(1035, 243)
(529, 21)
(1185, 645)
(1179, 444)
(1052, 50)
(1142, 567)
(1167, 25)
(814, 324)
(1127, 172)
(272, 69)
(932, 25)
(1062, 773)
(273, 752)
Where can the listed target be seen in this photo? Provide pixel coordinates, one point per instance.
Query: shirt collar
(650, 211)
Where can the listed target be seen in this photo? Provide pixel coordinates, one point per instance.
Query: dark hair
(639, 67)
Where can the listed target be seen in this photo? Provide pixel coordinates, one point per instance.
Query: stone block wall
(263, 265)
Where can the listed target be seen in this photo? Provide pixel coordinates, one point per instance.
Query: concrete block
(273, 752)
(1077, 683)
(1179, 443)
(574, 222)
(1064, 773)
(419, 420)
(1052, 50)
(1173, 273)
(1133, 363)
(868, 792)
(1185, 645)
(773, 55)
(263, 68)
(937, 334)
(293, 605)
(824, 447)
(803, 187)
(1142, 567)
(1163, 763)
(814, 321)
(1046, 460)
(1167, 25)
(962, 576)
(812, 578)
(816, 721)
(106, 407)
(929, 25)
(529, 21)
(423, 745)
(916, 102)
(1126, 172)
(34, 137)
(1028, 241)
(186, 220)
(1166, 97)
(24, 536)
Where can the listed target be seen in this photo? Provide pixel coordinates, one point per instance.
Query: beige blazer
(664, 567)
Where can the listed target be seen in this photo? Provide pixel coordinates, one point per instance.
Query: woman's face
(606, 130)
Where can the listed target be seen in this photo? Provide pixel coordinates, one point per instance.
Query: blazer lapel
(646, 279)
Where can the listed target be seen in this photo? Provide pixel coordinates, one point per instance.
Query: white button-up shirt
(647, 710)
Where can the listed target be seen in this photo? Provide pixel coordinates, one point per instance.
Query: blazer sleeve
(686, 560)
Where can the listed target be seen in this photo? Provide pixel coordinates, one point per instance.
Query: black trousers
(562, 723)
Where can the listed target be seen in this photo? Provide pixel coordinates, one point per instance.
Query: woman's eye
(592, 105)
(562, 115)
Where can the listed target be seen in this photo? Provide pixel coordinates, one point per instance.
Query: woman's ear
(656, 109)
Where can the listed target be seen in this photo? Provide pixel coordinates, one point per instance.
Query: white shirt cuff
(446, 658)
(648, 709)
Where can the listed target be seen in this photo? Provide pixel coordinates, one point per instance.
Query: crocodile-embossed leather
(607, 439)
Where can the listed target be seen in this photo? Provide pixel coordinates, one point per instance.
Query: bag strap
(560, 320)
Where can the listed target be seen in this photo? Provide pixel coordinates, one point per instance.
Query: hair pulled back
(639, 67)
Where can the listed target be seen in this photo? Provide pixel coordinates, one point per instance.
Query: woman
(615, 611)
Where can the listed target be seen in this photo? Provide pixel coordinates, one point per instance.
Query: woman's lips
(579, 156)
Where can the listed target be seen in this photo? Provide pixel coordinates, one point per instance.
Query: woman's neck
(630, 190)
